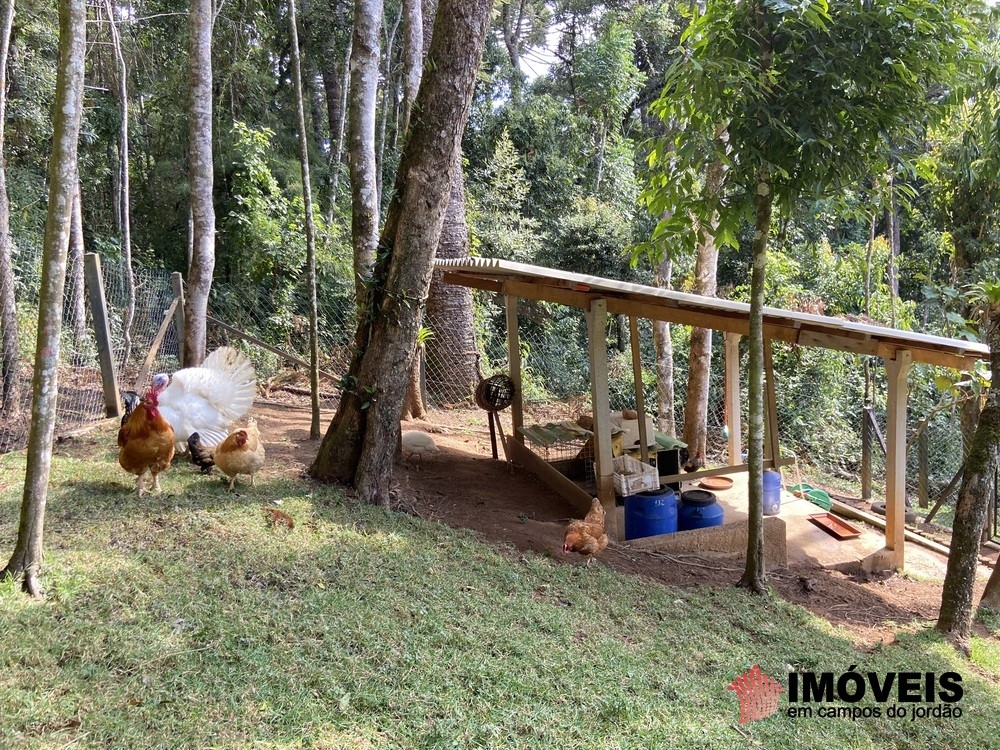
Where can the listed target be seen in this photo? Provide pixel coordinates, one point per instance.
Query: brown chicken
(240, 453)
(587, 536)
(146, 440)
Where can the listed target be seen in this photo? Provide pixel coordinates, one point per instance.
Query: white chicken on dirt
(241, 453)
(208, 399)
(417, 443)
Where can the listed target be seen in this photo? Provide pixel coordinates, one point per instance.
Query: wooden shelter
(599, 296)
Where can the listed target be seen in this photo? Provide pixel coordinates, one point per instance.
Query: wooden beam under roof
(796, 328)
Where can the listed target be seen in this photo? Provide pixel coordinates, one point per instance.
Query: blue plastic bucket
(699, 510)
(651, 513)
(772, 492)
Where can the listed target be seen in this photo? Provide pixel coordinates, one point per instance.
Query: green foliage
(807, 114)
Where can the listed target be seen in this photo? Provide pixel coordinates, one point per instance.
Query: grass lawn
(184, 620)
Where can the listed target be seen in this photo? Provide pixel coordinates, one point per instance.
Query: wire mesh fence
(820, 393)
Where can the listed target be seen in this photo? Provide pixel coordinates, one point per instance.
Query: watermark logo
(758, 694)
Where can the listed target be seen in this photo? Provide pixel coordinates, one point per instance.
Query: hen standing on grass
(240, 453)
(146, 440)
(587, 536)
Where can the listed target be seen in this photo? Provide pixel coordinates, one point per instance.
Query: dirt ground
(462, 486)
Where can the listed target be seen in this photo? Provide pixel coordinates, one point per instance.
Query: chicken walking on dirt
(146, 440)
(587, 536)
(240, 453)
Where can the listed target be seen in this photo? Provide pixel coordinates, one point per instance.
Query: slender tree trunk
(359, 446)
(955, 616)
(413, 57)
(512, 18)
(754, 577)
(361, 138)
(124, 208)
(201, 177)
(10, 396)
(300, 114)
(337, 83)
(77, 288)
(700, 365)
(664, 357)
(388, 76)
(26, 559)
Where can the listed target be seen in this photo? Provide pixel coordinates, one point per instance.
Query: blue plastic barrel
(651, 513)
(699, 510)
(772, 492)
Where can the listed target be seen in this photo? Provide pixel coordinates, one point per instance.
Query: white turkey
(208, 399)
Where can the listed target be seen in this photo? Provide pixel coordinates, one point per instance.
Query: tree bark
(700, 362)
(452, 358)
(26, 560)
(754, 576)
(201, 178)
(337, 83)
(955, 615)
(10, 396)
(77, 288)
(664, 348)
(360, 444)
(300, 115)
(413, 57)
(413, 405)
(124, 207)
(361, 141)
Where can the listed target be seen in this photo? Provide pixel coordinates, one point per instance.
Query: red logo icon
(758, 694)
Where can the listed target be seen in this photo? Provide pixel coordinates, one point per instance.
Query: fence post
(177, 282)
(866, 454)
(102, 332)
(922, 460)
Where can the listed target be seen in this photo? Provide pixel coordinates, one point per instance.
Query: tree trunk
(512, 18)
(754, 577)
(452, 358)
(124, 209)
(664, 349)
(10, 396)
(77, 287)
(26, 559)
(700, 363)
(199, 281)
(955, 616)
(361, 141)
(359, 446)
(413, 405)
(413, 57)
(337, 84)
(300, 115)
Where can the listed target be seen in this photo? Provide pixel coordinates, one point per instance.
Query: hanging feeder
(494, 394)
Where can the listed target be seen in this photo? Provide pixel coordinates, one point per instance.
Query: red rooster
(146, 440)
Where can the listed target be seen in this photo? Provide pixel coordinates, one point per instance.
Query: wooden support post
(922, 461)
(733, 399)
(177, 282)
(772, 448)
(892, 557)
(147, 363)
(597, 320)
(514, 364)
(640, 396)
(102, 333)
(866, 453)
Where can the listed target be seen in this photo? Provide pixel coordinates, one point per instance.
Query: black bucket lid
(698, 497)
